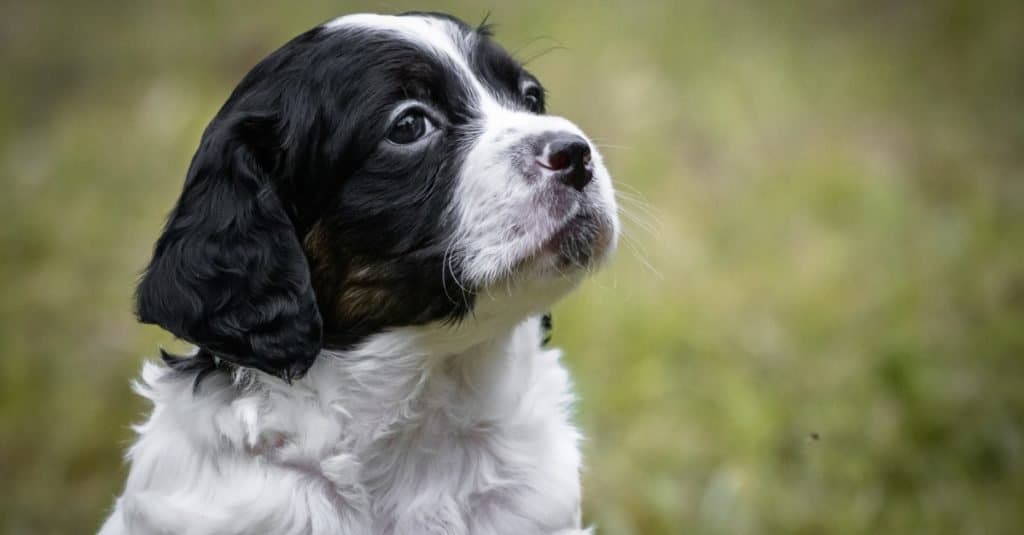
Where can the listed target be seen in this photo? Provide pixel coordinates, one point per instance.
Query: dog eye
(533, 96)
(410, 127)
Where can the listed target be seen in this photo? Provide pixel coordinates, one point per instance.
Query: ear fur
(228, 273)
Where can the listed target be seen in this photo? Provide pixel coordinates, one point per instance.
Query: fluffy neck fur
(416, 431)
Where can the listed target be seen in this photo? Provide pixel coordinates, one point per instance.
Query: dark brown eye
(410, 127)
(534, 99)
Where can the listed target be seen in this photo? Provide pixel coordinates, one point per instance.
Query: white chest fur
(392, 438)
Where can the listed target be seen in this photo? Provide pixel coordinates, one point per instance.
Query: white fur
(493, 196)
(401, 436)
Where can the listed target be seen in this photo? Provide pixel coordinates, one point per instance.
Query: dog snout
(568, 156)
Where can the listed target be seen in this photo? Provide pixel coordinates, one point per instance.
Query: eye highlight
(534, 97)
(411, 126)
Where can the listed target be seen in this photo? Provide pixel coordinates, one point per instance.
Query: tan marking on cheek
(357, 301)
(362, 272)
(350, 289)
(317, 248)
(326, 272)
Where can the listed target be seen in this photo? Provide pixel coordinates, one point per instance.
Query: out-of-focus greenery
(815, 323)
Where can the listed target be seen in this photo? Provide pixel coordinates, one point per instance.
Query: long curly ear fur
(229, 274)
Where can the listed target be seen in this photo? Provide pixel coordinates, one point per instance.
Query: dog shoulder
(198, 466)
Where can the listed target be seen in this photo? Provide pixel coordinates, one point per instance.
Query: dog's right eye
(410, 127)
(533, 95)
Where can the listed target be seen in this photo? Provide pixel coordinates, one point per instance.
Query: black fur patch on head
(299, 225)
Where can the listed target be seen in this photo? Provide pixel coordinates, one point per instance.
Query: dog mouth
(574, 232)
(579, 243)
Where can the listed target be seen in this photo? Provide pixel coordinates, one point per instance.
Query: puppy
(368, 237)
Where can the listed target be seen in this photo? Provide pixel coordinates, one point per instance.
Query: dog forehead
(443, 37)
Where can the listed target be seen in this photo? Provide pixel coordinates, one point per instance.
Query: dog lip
(553, 241)
(566, 228)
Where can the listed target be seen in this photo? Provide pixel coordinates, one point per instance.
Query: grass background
(814, 325)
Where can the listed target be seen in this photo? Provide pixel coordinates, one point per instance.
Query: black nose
(569, 156)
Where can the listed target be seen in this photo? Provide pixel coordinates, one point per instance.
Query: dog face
(376, 172)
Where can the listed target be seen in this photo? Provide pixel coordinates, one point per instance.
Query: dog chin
(575, 248)
(555, 268)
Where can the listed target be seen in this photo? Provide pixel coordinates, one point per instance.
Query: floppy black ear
(229, 274)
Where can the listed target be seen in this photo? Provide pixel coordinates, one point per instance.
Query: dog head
(376, 172)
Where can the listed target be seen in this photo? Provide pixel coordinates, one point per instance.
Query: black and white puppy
(368, 235)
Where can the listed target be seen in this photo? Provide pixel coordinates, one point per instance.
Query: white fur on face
(507, 207)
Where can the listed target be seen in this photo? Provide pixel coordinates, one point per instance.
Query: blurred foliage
(816, 320)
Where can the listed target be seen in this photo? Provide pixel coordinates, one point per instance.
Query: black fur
(546, 325)
(299, 227)
(228, 273)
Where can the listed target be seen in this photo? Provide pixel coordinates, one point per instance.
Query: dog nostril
(570, 154)
(571, 151)
(559, 160)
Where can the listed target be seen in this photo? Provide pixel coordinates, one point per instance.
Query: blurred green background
(815, 323)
